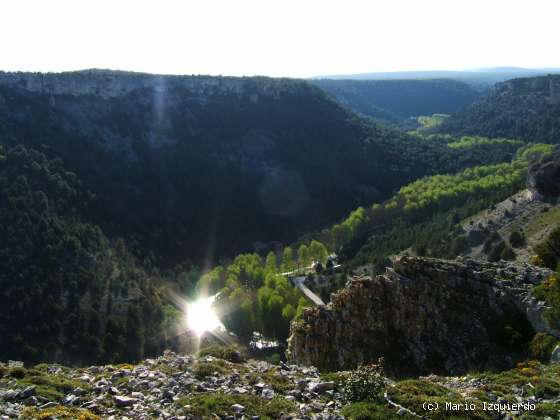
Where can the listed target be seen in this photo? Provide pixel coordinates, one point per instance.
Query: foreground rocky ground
(188, 387)
(170, 387)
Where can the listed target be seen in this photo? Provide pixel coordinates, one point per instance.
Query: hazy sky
(295, 38)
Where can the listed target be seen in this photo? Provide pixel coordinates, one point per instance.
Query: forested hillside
(204, 167)
(113, 184)
(527, 109)
(68, 293)
(395, 101)
(423, 215)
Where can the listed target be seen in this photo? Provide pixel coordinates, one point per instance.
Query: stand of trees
(425, 214)
(67, 293)
(254, 295)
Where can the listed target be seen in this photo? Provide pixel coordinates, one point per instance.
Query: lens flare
(201, 318)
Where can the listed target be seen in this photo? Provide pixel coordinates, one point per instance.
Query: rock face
(110, 83)
(424, 315)
(544, 176)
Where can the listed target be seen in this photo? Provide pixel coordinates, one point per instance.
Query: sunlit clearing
(201, 317)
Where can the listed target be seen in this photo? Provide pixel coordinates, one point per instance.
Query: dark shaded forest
(526, 109)
(398, 102)
(209, 171)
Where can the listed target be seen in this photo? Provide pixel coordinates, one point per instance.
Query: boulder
(321, 387)
(544, 176)
(238, 408)
(122, 401)
(27, 392)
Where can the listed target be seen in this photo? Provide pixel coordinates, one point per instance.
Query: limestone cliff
(110, 83)
(425, 315)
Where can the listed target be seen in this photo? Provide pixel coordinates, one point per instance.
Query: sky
(300, 38)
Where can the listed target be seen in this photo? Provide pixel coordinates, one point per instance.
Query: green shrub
(547, 389)
(496, 251)
(369, 411)
(516, 239)
(507, 253)
(544, 410)
(232, 354)
(548, 249)
(274, 359)
(277, 382)
(212, 404)
(489, 243)
(337, 377)
(542, 346)
(17, 372)
(203, 369)
(549, 291)
(365, 383)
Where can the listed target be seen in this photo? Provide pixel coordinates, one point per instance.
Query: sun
(201, 317)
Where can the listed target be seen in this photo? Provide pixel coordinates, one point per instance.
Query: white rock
(238, 408)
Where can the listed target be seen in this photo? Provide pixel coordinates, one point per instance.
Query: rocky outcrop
(110, 83)
(544, 176)
(424, 315)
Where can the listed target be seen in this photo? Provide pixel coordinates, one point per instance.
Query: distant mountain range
(478, 78)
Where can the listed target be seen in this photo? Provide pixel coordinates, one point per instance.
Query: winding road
(299, 282)
(297, 277)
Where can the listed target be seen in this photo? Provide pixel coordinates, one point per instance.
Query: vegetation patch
(203, 369)
(541, 378)
(234, 354)
(412, 394)
(549, 217)
(372, 411)
(549, 292)
(337, 377)
(272, 378)
(366, 383)
(542, 346)
(49, 386)
(59, 413)
(207, 405)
